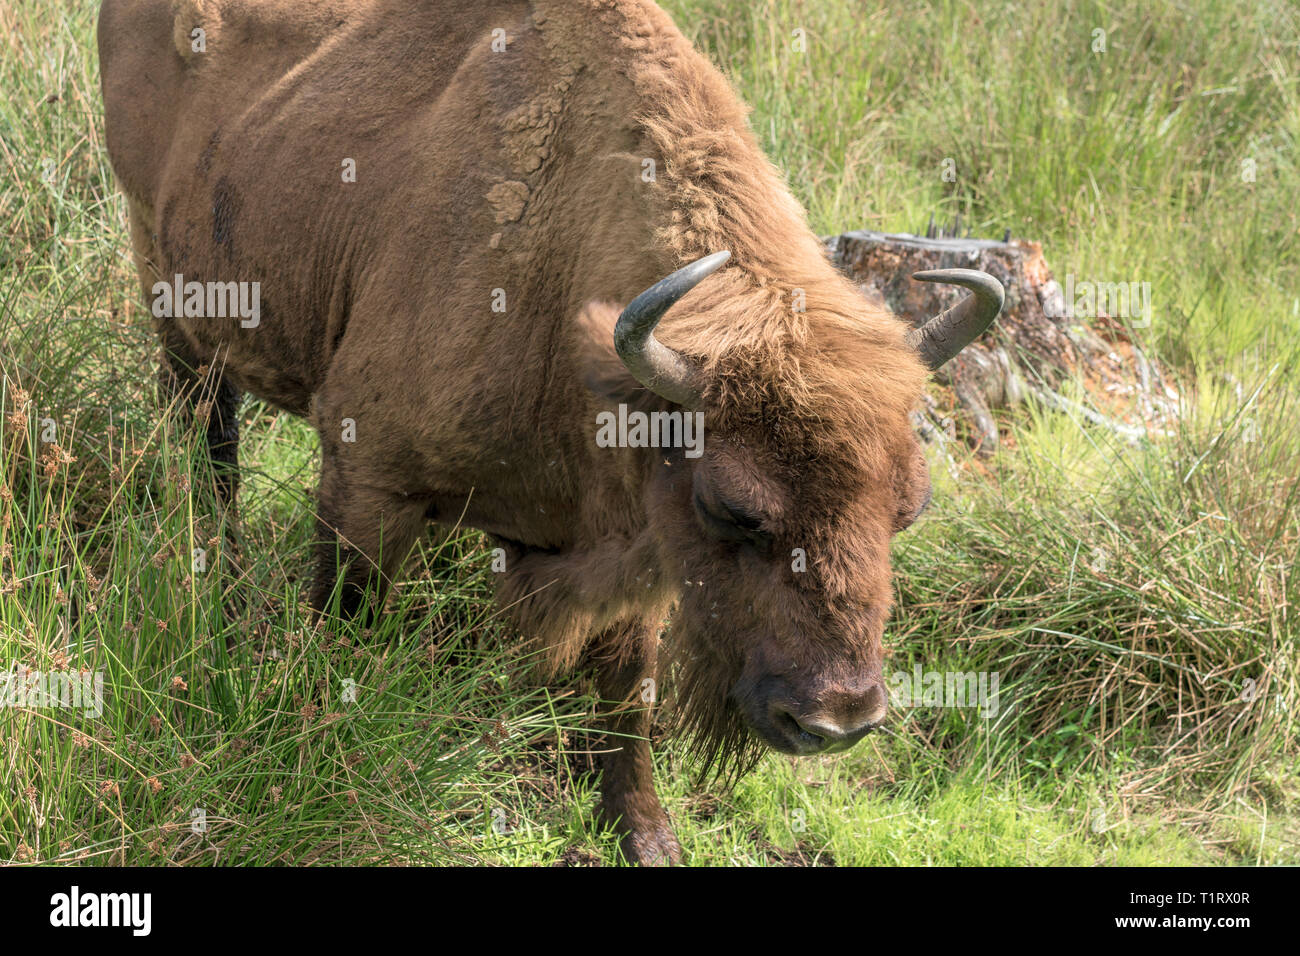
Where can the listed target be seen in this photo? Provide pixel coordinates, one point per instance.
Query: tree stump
(1038, 343)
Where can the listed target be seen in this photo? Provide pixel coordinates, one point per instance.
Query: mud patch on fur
(508, 199)
(530, 129)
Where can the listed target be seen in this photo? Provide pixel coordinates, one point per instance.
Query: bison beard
(704, 716)
(486, 174)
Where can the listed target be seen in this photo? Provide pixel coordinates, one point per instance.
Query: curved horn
(652, 363)
(953, 329)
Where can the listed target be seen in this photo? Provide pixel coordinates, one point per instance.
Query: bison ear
(602, 371)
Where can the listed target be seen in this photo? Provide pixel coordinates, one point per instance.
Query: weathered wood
(1034, 347)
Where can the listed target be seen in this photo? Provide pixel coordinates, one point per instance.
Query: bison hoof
(653, 845)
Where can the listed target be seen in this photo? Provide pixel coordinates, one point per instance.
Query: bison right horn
(652, 363)
(953, 329)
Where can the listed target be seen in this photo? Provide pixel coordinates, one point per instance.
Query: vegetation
(1139, 602)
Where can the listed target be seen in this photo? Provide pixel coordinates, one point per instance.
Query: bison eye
(732, 523)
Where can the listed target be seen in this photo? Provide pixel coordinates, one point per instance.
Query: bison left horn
(953, 329)
(653, 364)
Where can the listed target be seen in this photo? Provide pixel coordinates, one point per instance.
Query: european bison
(439, 209)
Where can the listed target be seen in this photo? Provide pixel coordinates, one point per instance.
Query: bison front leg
(362, 533)
(212, 403)
(627, 680)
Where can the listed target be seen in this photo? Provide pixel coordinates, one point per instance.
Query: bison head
(779, 531)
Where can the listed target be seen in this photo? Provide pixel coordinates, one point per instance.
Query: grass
(1138, 602)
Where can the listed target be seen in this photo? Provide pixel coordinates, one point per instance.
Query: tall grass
(1137, 601)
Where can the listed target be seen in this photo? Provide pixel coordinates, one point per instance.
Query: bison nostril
(839, 721)
(833, 735)
(820, 728)
(849, 716)
(842, 733)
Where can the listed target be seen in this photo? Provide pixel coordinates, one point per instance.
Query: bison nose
(846, 719)
(822, 735)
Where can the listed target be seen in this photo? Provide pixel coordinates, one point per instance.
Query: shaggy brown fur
(519, 170)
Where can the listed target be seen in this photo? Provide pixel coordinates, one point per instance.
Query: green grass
(1130, 597)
